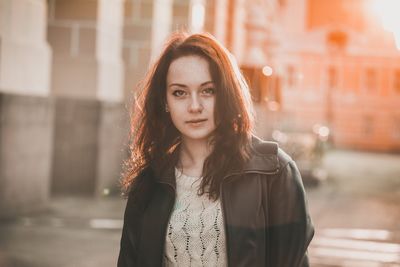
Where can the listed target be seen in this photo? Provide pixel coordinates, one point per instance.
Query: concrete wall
(113, 127)
(137, 34)
(87, 79)
(25, 153)
(86, 41)
(26, 113)
(24, 53)
(75, 146)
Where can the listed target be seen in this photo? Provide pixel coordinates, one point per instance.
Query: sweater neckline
(179, 173)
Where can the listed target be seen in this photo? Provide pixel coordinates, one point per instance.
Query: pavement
(355, 211)
(73, 231)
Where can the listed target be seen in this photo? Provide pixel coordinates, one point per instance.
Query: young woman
(202, 190)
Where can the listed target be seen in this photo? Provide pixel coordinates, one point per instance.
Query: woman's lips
(196, 122)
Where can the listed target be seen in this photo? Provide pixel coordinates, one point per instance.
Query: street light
(267, 70)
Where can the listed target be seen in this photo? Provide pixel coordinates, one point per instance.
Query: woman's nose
(195, 104)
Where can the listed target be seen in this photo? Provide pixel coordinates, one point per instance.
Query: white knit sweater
(195, 234)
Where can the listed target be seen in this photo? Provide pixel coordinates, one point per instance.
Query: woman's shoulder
(269, 151)
(269, 158)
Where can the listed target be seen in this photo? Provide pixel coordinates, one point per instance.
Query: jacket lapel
(155, 220)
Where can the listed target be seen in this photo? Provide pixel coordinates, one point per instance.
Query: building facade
(68, 75)
(341, 69)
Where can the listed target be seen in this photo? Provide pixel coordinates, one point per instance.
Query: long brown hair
(154, 138)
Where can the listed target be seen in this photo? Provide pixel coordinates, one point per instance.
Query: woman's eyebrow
(185, 86)
(177, 84)
(206, 83)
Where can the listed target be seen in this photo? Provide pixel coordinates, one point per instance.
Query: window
(262, 87)
(254, 78)
(370, 80)
(282, 3)
(396, 81)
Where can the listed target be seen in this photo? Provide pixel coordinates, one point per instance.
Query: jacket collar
(263, 159)
(263, 156)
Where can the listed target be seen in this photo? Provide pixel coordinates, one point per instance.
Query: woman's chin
(197, 136)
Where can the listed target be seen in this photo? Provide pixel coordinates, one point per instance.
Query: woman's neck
(192, 156)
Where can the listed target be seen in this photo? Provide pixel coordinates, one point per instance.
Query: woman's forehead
(189, 70)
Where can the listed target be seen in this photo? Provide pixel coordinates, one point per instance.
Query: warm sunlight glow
(387, 12)
(198, 13)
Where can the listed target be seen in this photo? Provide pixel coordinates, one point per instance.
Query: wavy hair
(154, 139)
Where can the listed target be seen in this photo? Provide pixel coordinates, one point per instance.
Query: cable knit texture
(195, 234)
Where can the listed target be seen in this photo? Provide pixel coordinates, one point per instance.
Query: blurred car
(307, 149)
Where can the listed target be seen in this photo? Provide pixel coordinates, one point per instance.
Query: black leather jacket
(265, 214)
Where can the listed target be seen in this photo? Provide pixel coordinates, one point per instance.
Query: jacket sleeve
(128, 253)
(290, 228)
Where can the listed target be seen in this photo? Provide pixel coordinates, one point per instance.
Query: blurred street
(356, 214)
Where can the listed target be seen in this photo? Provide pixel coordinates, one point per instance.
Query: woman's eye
(178, 93)
(209, 91)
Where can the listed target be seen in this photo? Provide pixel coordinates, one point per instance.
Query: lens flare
(387, 12)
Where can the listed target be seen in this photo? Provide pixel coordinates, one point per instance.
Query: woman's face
(191, 97)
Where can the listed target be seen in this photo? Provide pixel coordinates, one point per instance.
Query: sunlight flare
(387, 12)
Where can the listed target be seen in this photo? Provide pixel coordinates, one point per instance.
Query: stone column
(220, 19)
(137, 45)
(25, 110)
(87, 83)
(161, 25)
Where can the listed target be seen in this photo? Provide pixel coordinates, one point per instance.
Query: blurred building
(339, 67)
(26, 107)
(68, 73)
(69, 70)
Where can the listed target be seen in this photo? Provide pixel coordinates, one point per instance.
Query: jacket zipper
(167, 221)
(225, 225)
